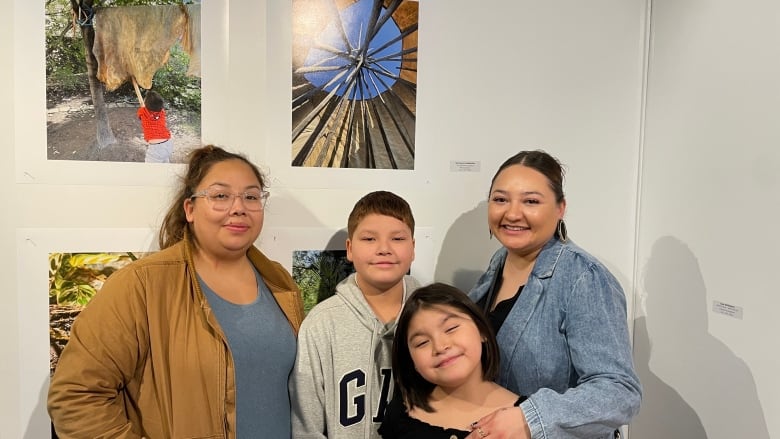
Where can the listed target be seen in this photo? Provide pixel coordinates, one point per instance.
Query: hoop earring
(563, 235)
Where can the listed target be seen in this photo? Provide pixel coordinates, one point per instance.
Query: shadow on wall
(664, 412)
(39, 425)
(466, 249)
(336, 242)
(690, 378)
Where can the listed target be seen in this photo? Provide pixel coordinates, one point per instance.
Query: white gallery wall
(10, 366)
(705, 333)
(565, 76)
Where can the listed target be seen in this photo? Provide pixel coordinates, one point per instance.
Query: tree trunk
(104, 134)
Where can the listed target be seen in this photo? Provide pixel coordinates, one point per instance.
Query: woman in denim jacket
(559, 314)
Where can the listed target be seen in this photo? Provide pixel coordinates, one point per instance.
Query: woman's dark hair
(200, 162)
(415, 389)
(540, 161)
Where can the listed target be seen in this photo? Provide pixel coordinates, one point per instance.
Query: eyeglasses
(221, 200)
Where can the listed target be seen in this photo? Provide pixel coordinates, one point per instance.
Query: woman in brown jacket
(196, 340)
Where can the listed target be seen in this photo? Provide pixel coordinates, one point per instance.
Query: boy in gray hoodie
(342, 379)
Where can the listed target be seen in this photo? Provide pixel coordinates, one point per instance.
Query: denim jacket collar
(548, 258)
(543, 267)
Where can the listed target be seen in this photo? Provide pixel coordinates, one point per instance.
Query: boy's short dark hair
(382, 203)
(153, 101)
(415, 389)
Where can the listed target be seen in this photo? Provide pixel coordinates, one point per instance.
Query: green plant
(75, 277)
(174, 85)
(65, 64)
(318, 272)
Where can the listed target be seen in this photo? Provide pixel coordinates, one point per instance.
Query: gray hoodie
(342, 379)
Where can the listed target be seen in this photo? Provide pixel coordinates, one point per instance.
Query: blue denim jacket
(565, 345)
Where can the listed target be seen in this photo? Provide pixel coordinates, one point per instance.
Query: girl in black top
(445, 357)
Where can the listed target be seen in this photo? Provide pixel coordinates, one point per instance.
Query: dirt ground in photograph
(71, 132)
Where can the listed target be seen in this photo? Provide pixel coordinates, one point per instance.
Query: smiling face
(522, 210)
(446, 346)
(225, 234)
(382, 250)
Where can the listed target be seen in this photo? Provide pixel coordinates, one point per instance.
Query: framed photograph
(354, 83)
(98, 61)
(74, 279)
(58, 271)
(322, 130)
(63, 134)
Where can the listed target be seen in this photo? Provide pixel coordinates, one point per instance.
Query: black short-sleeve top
(399, 425)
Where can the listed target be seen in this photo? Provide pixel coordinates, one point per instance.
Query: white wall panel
(709, 200)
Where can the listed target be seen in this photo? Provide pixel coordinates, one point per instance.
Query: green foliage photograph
(317, 272)
(74, 279)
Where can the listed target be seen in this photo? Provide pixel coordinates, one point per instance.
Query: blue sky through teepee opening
(375, 74)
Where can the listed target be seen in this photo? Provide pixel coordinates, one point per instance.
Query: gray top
(263, 348)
